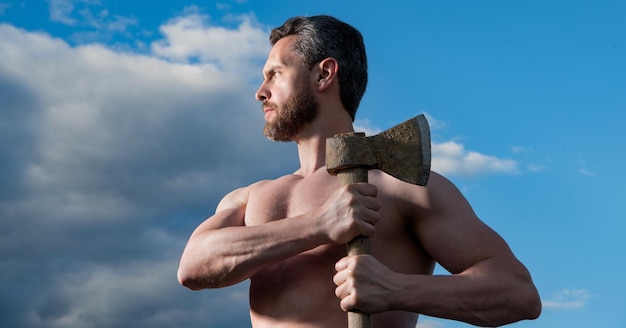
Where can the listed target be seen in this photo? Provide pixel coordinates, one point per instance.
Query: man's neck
(312, 145)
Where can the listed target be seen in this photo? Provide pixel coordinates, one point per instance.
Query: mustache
(268, 104)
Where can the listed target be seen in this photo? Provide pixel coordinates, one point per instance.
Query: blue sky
(122, 124)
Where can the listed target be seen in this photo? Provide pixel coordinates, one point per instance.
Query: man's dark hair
(321, 37)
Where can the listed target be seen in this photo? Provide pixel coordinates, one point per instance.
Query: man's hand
(364, 284)
(350, 212)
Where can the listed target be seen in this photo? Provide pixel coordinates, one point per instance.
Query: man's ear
(327, 73)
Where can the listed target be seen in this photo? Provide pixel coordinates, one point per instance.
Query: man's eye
(271, 75)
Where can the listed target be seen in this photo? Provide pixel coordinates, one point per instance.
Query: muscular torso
(299, 292)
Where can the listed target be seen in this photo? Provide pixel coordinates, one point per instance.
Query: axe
(402, 151)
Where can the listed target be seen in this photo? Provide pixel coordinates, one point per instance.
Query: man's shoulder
(241, 195)
(413, 198)
(384, 180)
(389, 184)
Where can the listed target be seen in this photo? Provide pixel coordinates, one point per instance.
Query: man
(288, 235)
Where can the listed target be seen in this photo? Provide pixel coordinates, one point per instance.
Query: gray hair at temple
(321, 37)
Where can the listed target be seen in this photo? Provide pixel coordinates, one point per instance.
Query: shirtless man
(288, 235)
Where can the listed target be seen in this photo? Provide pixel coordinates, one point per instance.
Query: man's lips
(267, 107)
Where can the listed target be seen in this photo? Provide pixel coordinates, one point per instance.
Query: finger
(364, 188)
(366, 221)
(370, 203)
(375, 204)
(370, 216)
(344, 293)
(367, 229)
(347, 303)
(368, 189)
(341, 291)
(342, 263)
(340, 277)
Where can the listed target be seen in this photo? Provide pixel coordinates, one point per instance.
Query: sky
(123, 123)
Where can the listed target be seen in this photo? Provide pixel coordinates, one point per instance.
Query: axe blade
(403, 151)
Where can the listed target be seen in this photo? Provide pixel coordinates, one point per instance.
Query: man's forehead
(282, 52)
(285, 43)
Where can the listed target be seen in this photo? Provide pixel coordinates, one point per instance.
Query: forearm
(479, 296)
(226, 256)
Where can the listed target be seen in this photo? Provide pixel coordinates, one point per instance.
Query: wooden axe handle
(357, 246)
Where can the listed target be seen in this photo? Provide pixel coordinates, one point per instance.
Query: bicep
(450, 231)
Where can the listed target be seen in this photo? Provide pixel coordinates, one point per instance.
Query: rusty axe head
(402, 151)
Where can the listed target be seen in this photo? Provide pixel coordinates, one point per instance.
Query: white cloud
(521, 150)
(109, 160)
(61, 11)
(105, 295)
(101, 108)
(584, 170)
(434, 124)
(91, 22)
(536, 167)
(452, 158)
(191, 38)
(103, 21)
(567, 299)
(587, 172)
(364, 125)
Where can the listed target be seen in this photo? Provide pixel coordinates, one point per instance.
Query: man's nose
(263, 93)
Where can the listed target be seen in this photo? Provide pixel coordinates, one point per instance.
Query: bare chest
(288, 196)
(393, 243)
(303, 284)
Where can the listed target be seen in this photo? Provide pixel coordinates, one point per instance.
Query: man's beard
(298, 110)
